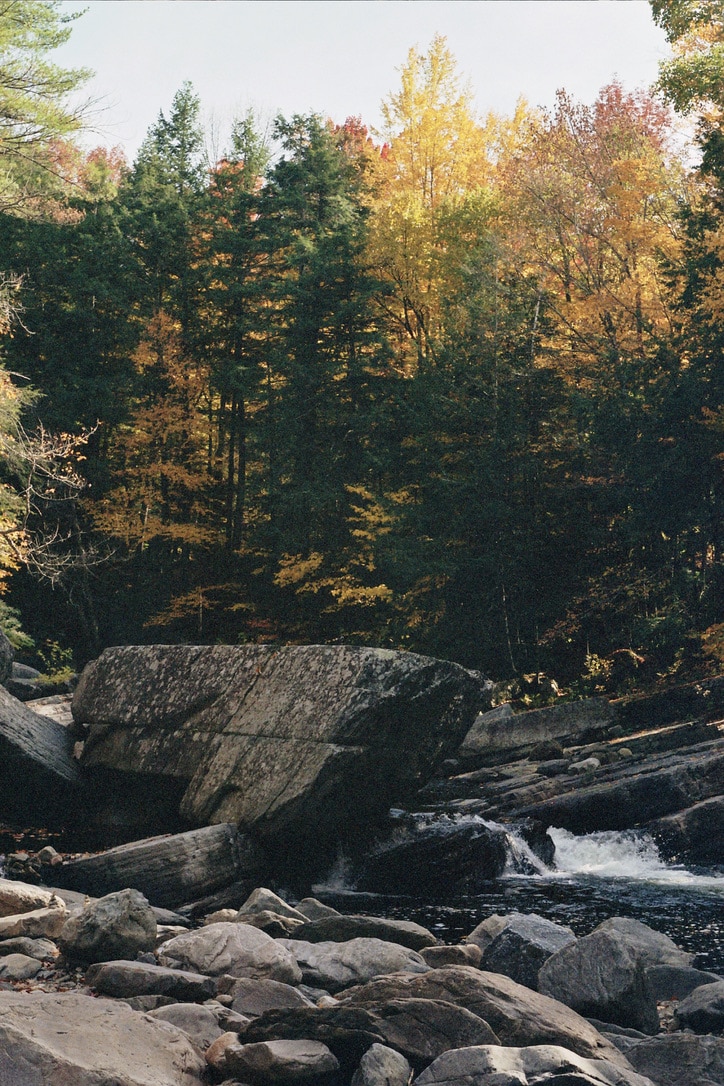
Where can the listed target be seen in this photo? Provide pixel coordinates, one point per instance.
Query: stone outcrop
(297, 742)
(500, 733)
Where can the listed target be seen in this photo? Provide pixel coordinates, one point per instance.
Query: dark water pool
(693, 919)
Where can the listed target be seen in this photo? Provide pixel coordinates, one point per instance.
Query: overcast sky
(340, 57)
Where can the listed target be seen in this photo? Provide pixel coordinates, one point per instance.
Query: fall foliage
(454, 386)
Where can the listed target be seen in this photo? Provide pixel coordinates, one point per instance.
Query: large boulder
(677, 1059)
(127, 980)
(500, 734)
(601, 976)
(381, 1064)
(491, 1065)
(236, 949)
(38, 777)
(272, 1062)
(703, 1009)
(119, 925)
(200, 1023)
(523, 944)
(69, 1039)
(447, 857)
(420, 1029)
(695, 835)
(255, 997)
(298, 742)
(517, 1015)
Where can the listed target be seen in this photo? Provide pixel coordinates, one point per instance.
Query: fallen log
(170, 871)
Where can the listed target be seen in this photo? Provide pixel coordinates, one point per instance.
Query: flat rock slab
(301, 739)
(501, 732)
(21, 897)
(625, 796)
(124, 979)
(38, 776)
(38, 924)
(69, 1039)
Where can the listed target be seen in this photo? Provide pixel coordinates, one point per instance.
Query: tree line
(455, 388)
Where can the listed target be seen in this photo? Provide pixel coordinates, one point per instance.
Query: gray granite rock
(121, 979)
(237, 949)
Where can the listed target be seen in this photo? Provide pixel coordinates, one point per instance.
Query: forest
(456, 387)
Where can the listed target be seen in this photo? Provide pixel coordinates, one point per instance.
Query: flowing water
(594, 877)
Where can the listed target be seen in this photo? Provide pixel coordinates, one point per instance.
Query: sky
(340, 58)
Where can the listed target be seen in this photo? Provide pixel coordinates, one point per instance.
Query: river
(593, 877)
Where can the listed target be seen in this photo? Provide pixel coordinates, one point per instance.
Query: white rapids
(622, 854)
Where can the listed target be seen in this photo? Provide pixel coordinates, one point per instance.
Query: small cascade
(520, 857)
(442, 853)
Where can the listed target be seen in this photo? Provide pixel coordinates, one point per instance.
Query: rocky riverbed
(111, 990)
(163, 960)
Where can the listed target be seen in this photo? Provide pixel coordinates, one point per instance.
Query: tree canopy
(453, 387)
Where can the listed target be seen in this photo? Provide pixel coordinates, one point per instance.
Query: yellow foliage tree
(594, 198)
(434, 159)
(161, 492)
